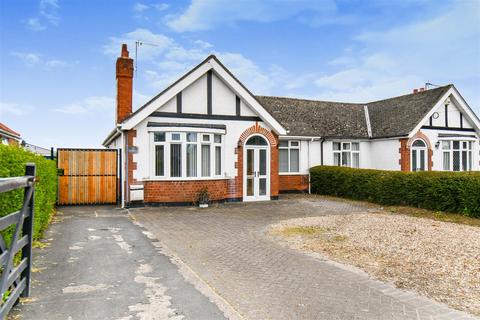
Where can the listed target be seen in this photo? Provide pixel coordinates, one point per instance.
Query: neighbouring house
(8, 136)
(208, 130)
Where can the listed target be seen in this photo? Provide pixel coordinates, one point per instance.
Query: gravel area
(438, 259)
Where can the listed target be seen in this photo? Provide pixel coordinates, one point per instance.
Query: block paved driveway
(227, 249)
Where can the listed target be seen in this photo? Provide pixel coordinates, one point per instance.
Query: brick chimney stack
(124, 77)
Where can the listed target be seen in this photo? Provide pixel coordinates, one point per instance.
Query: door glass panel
(422, 160)
(249, 186)
(263, 162)
(263, 186)
(414, 160)
(249, 162)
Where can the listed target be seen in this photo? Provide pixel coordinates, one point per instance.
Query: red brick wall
(404, 150)
(293, 183)
(184, 191)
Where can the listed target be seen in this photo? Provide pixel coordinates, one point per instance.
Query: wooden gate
(87, 176)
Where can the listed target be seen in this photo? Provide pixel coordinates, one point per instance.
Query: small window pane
(217, 138)
(218, 161)
(464, 144)
(446, 161)
(257, 141)
(206, 137)
(355, 146)
(456, 159)
(464, 161)
(283, 156)
(175, 160)
(418, 143)
(346, 159)
(336, 158)
(205, 160)
(294, 143)
(159, 136)
(283, 144)
(456, 145)
(355, 160)
(294, 160)
(191, 137)
(191, 160)
(446, 145)
(175, 136)
(470, 144)
(346, 146)
(159, 161)
(336, 146)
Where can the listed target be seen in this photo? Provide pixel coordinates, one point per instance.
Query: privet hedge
(443, 191)
(12, 164)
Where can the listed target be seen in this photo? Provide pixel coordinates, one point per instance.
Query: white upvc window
(187, 155)
(289, 156)
(457, 155)
(346, 154)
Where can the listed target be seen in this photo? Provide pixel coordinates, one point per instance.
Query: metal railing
(15, 277)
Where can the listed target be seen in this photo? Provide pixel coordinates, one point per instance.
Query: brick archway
(257, 129)
(405, 149)
(273, 140)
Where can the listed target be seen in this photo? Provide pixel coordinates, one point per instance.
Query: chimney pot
(124, 51)
(422, 89)
(415, 90)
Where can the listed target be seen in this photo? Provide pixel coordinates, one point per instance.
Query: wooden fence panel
(89, 176)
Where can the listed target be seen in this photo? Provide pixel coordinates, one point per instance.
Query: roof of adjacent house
(391, 117)
(9, 131)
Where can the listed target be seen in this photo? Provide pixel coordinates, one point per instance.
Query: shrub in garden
(444, 191)
(12, 164)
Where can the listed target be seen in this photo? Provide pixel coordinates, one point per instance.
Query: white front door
(256, 182)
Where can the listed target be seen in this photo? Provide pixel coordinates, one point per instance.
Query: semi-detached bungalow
(208, 130)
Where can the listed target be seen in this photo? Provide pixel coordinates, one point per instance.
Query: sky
(57, 58)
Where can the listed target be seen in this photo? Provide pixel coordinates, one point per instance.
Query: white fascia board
(166, 96)
(248, 98)
(461, 104)
(299, 137)
(186, 129)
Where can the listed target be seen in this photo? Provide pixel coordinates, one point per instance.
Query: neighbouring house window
(289, 156)
(187, 155)
(457, 155)
(346, 154)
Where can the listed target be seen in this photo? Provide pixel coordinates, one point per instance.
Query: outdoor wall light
(437, 144)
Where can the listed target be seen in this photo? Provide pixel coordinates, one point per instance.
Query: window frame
(469, 149)
(183, 141)
(349, 150)
(290, 147)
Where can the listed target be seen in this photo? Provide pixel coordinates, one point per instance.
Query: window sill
(292, 174)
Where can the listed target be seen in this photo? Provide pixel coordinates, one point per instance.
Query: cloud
(140, 10)
(89, 106)
(47, 14)
(13, 109)
(396, 60)
(205, 15)
(34, 24)
(32, 59)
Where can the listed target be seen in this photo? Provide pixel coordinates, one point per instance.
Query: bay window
(346, 154)
(187, 155)
(457, 155)
(289, 156)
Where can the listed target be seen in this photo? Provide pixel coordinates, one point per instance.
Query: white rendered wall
(194, 97)
(453, 114)
(385, 154)
(223, 99)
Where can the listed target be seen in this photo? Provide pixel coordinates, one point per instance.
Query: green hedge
(12, 164)
(444, 191)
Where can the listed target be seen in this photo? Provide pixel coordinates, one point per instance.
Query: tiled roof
(7, 129)
(388, 118)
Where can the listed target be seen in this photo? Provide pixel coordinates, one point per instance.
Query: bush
(12, 164)
(457, 192)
